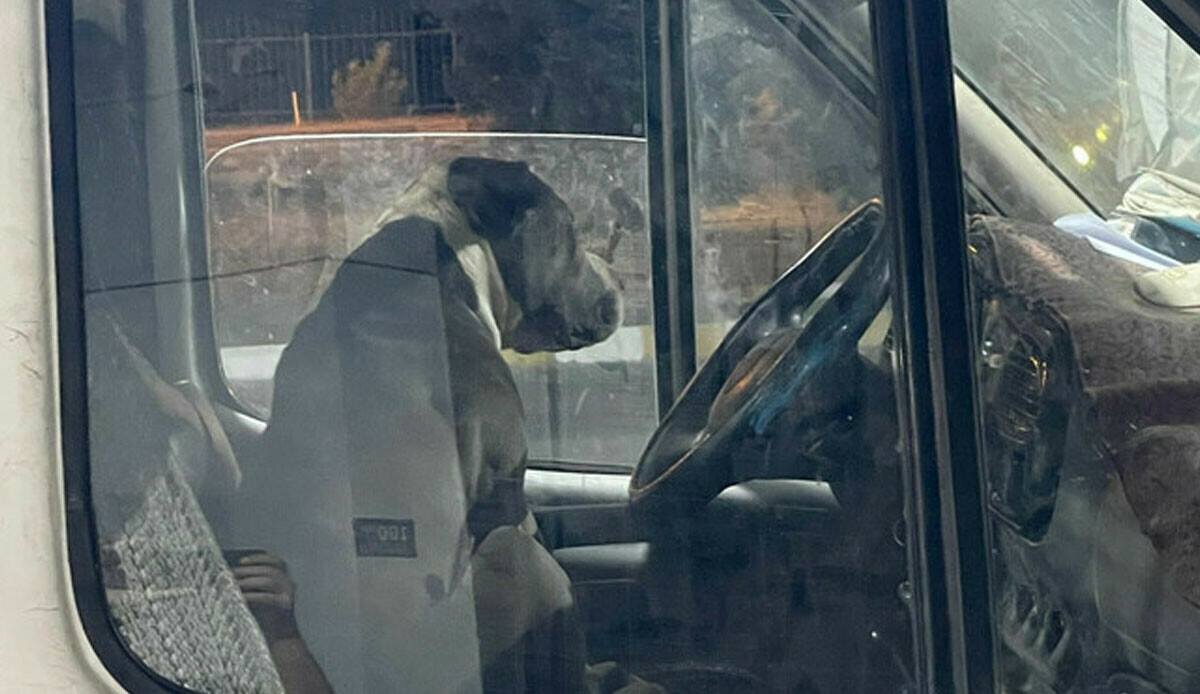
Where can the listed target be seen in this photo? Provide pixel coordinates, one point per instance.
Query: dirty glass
(451, 68)
(188, 611)
(771, 493)
(351, 516)
(370, 365)
(1103, 90)
(284, 212)
(780, 151)
(1087, 352)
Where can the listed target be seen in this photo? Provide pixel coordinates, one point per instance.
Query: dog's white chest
(481, 269)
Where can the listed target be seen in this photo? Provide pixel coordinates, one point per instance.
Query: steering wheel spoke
(772, 361)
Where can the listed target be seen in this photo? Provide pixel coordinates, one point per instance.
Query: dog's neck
(496, 309)
(428, 198)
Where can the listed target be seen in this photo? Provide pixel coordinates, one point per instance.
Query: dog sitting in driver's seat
(512, 274)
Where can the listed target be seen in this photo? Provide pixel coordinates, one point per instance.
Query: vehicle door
(807, 534)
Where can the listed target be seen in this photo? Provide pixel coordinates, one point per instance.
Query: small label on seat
(385, 537)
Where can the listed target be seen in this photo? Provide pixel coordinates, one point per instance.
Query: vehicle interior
(729, 502)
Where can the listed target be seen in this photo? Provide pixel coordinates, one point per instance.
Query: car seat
(171, 595)
(365, 501)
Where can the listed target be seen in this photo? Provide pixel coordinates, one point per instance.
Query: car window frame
(82, 560)
(940, 441)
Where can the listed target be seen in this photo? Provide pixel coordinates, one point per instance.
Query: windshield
(1103, 90)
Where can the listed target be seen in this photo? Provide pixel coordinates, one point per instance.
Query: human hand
(269, 592)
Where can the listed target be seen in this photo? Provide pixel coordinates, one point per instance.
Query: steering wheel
(791, 336)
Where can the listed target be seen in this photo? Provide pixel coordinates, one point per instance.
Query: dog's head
(567, 296)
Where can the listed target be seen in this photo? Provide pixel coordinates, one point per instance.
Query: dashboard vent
(1024, 379)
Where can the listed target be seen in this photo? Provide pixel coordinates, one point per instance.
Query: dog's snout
(608, 311)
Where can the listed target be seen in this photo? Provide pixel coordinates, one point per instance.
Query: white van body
(42, 644)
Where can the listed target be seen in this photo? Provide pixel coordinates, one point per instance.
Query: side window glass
(421, 241)
(153, 442)
(780, 152)
(792, 413)
(1104, 122)
(1087, 359)
(284, 213)
(407, 262)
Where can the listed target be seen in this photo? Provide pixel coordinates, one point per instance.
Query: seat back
(172, 597)
(357, 484)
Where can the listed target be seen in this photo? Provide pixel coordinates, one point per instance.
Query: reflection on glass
(786, 440)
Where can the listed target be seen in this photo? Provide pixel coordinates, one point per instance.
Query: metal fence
(251, 79)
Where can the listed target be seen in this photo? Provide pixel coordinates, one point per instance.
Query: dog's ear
(493, 193)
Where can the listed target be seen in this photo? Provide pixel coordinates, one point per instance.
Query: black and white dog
(512, 274)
